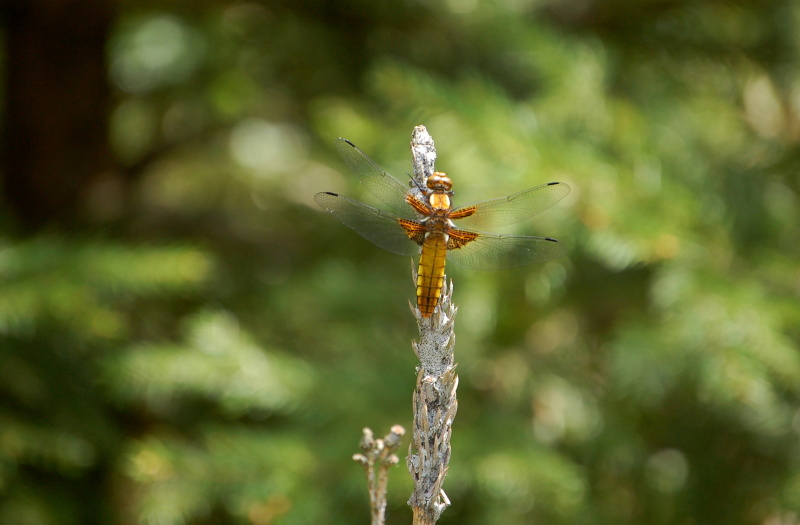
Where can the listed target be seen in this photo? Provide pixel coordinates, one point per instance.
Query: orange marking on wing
(418, 205)
(459, 238)
(463, 212)
(414, 230)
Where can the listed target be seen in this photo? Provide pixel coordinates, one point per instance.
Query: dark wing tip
(322, 197)
(342, 139)
(564, 186)
(550, 239)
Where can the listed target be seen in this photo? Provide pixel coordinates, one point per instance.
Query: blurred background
(186, 338)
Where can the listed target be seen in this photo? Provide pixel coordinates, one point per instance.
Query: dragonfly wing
(378, 182)
(510, 209)
(379, 227)
(486, 251)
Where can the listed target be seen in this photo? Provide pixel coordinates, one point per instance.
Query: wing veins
(381, 228)
(512, 208)
(388, 189)
(487, 251)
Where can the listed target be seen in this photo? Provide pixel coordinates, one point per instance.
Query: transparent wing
(379, 227)
(486, 251)
(510, 209)
(378, 182)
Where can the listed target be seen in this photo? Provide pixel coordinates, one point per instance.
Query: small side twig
(377, 457)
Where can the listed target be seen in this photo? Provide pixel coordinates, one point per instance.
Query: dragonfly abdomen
(430, 276)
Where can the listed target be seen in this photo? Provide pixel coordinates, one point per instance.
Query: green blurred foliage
(218, 366)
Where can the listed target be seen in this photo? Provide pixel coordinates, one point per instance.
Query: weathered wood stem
(434, 399)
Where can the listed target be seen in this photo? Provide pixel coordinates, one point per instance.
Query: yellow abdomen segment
(430, 276)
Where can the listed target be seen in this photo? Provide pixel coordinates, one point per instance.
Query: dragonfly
(424, 222)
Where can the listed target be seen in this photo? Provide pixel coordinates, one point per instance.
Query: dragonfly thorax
(440, 203)
(438, 224)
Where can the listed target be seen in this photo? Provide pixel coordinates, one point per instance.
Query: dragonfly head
(439, 181)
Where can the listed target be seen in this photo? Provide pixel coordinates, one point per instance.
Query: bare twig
(377, 458)
(435, 402)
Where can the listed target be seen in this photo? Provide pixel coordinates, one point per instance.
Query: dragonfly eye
(439, 181)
